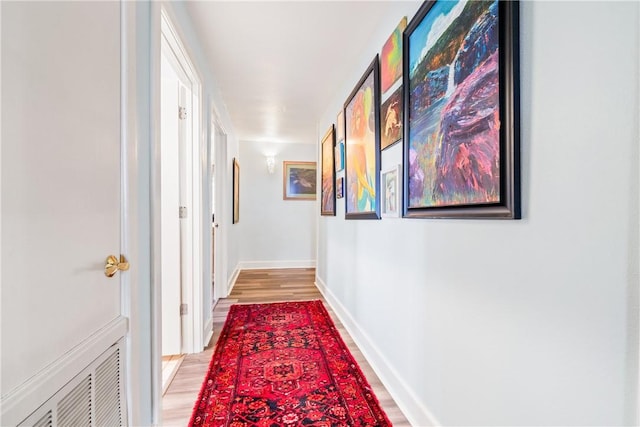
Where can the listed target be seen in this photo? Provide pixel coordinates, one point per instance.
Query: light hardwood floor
(260, 286)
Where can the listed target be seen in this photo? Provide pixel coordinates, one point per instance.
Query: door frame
(192, 292)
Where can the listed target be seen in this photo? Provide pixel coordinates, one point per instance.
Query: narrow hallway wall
(530, 322)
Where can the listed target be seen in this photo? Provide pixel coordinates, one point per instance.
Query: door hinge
(184, 309)
(182, 113)
(182, 212)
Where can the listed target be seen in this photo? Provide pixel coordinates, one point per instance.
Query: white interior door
(170, 204)
(218, 199)
(61, 181)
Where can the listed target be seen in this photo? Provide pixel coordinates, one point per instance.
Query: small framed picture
(390, 199)
(339, 188)
(299, 180)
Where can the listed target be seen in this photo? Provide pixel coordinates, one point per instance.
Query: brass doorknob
(113, 265)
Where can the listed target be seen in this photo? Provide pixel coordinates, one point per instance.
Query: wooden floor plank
(260, 286)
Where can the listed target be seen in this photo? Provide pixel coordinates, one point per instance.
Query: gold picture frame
(299, 180)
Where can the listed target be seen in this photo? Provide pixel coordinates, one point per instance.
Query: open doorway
(179, 244)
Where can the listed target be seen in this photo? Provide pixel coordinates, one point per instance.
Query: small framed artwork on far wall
(299, 180)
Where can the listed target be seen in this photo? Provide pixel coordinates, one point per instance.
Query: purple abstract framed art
(461, 115)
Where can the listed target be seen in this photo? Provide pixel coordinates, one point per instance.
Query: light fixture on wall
(271, 163)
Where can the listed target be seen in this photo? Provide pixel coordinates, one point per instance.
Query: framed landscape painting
(328, 191)
(362, 142)
(461, 115)
(299, 180)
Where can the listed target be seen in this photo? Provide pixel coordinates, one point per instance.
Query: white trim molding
(208, 332)
(405, 398)
(232, 279)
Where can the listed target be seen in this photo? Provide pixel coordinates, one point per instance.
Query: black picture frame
(236, 192)
(456, 178)
(328, 173)
(368, 150)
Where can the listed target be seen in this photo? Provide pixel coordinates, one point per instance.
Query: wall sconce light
(271, 163)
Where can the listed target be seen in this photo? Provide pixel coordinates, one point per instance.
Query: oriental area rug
(284, 365)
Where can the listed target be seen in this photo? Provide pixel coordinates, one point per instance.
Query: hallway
(259, 286)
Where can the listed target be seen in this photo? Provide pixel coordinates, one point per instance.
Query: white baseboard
(20, 402)
(258, 265)
(208, 332)
(232, 281)
(404, 397)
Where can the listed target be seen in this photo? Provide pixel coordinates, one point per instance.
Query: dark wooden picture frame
(362, 147)
(236, 191)
(328, 171)
(462, 113)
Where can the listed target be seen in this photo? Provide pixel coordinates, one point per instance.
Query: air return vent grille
(75, 408)
(46, 421)
(93, 398)
(108, 412)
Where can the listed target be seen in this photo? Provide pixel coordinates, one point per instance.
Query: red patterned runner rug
(284, 365)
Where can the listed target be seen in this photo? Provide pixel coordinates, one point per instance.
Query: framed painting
(328, 190)
(391, 57)
(362, 147)
(339, 188)
(461, 111)
(299, 180)
(390, 198)
(391, 119)
(236, 191)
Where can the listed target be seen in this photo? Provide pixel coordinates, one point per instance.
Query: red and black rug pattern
(284, 365)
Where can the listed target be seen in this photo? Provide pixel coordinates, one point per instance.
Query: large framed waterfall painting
(461, 111)
(362, 144)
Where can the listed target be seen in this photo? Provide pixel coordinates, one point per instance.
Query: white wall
(274, 233)
(530, 322)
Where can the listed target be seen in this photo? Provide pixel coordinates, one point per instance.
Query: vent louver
(46, 421)
(107, 408)
(75, 409)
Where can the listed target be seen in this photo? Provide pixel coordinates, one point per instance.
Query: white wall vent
(46, 421)
(75, 408)
(93, 398)
(108, 396)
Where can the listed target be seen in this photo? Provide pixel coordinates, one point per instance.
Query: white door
(219, 153)
(61, 187)
(170, 140)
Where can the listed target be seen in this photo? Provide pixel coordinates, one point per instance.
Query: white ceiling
(278, 64)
